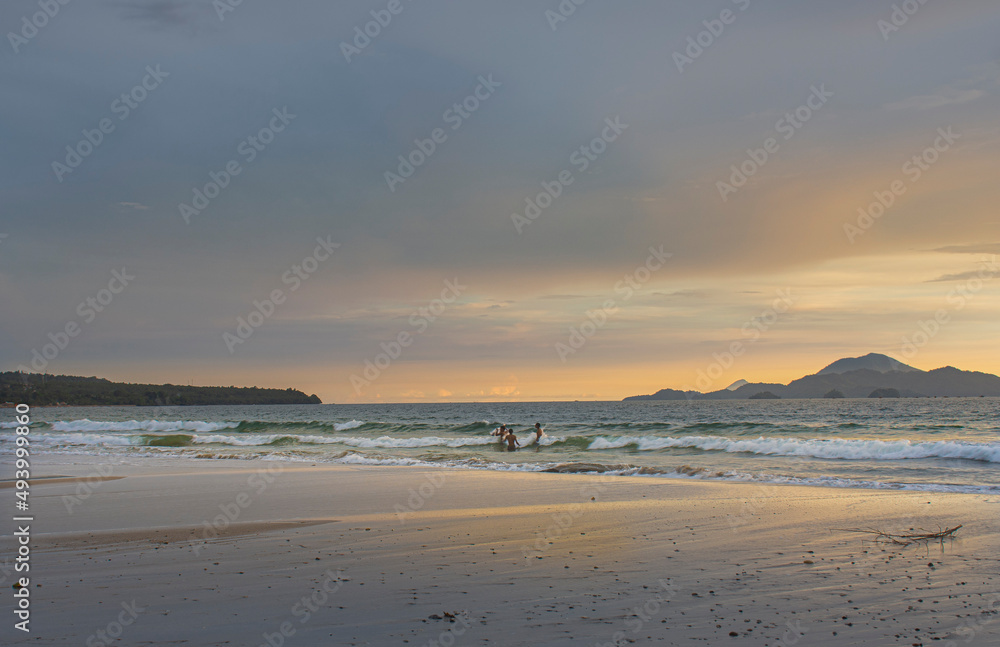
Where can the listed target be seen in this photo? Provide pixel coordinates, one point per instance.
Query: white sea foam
(361, 459)
(614, 443)
(95, 444)
(244, 440)
(388, 442)
(251, 440)
(142, 425)
(383, 442)
(344, 426)
(86, 432)
(83, 439)
(736, 477)
(831, 481)
(831, 448)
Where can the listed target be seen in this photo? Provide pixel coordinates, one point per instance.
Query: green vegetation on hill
(46, 390)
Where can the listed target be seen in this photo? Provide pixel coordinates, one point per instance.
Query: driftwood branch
(907, 538)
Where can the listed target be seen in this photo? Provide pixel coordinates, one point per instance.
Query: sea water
(950, 445)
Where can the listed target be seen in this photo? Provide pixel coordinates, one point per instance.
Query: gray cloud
(928, 101)
(974, 248)
(165, 14)
(325, 173)
(960, 276)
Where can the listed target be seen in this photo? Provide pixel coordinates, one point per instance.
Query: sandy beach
(155, 551)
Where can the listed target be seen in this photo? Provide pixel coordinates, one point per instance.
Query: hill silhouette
(871, 361)
(858, 377)
(35, 389)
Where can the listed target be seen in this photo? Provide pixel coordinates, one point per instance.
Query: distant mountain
(735, 385)
(744, 392)
(860, 382)
(871, 361)
(667, 394)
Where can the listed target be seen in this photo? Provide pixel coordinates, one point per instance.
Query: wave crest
(828, 448)
(142, 425)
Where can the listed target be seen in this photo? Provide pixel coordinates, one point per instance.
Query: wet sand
(207, 552)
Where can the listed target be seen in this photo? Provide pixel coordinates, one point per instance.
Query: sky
(458, 200)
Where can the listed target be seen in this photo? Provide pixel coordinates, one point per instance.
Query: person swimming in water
(511, 441)
(538, 432)
(500, 431)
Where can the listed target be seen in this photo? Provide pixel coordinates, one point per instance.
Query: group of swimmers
(507, 435)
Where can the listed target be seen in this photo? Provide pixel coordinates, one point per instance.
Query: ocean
(942, 445)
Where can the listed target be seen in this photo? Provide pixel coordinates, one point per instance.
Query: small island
(884, 393)
(39, 390)
(764, 395)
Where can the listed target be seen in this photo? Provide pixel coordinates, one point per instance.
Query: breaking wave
(142, 425)
(829, 448)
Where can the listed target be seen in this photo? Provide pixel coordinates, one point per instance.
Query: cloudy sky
(815, 180)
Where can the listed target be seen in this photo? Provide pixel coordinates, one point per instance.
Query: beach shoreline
(267, 552)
